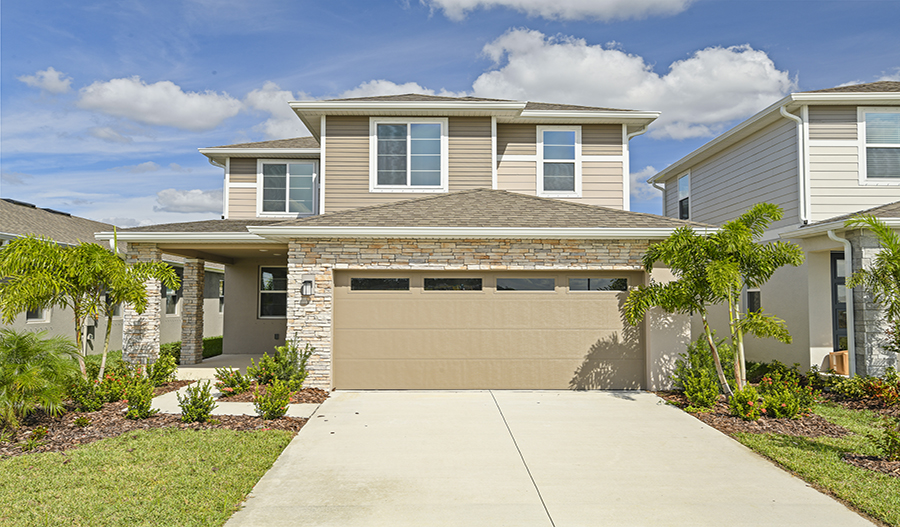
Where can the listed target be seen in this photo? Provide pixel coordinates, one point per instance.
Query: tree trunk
(79, 340)
(734, 317)
(723, 382)
(105, 347)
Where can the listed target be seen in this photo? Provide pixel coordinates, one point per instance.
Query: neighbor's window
(34, 315)
(221, 296)
(453, 284)
(882, 143)
(754, 301)
(684, 197)
(288, 187)
(410, 155)
(526, 284)
(559, 167)
(173, 295)
(379, 284)
(598, 284)
(272, 292)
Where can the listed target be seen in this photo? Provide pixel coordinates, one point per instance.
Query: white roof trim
(200, 237)
(618, 115)
(322, 106)
(283, 232)
(224, 151)
(818, 229)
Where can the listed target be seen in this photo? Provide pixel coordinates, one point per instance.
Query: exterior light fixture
(306, 285)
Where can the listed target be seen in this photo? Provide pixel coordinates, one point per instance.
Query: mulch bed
(110, 421)
(306, 395)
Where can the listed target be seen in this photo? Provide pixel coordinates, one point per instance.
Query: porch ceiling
(225, 254)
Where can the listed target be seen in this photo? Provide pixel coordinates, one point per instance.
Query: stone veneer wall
(192, 312)
(310, 318)
(869, 320)
(140, 332)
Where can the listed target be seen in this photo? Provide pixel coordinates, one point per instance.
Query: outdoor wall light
(306, 286)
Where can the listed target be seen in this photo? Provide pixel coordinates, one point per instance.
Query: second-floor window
(881, 144)
(559, 161)
(288, 188)
(408, 155)
(684, 197)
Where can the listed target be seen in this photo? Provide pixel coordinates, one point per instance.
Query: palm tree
(35, 373)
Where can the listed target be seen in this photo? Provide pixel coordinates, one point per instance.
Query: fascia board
(846, 98)
(286, 232)
(328, 106)
(823, 228)
(198, 237)
(625, 116)
(257, 151)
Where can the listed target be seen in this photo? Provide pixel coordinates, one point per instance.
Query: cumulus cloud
(640, 189)
(566, 9)
(698, 96)
(890, 76)
(171, 200)
(105, 133)
(378, 87)
(122, 222)
(283, 122)
(142, 168)
(163, 103)
(48, 80)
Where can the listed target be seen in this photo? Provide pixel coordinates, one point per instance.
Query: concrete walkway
(207, 367)
(524, 459)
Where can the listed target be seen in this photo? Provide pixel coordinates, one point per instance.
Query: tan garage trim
(488, 339)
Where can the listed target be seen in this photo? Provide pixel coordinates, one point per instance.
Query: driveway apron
(522, 458)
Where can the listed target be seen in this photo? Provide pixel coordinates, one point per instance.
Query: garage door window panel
(379, 284)
(273, 292)
(453, 284)
(598, 284)
(526, 284)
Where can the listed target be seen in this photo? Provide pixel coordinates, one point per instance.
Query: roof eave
(607, 116)
(220, 154)
(818, 229)
(198, 237)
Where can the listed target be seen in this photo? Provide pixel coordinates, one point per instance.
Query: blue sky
(104, 104)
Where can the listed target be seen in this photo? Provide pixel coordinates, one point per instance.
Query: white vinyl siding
(241, 203)
(832, 123)
(834, 183)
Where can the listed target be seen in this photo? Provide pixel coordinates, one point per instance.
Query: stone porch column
(869, 317)
(140, 331)
(309, 317)
(192, 312)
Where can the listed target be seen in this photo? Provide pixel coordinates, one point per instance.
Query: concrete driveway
(519, 458)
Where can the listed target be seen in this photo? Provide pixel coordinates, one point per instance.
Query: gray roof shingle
(891, 210)
(416, 97)
(294, 142)
(204, 226)
(872, 87)
(22, 219)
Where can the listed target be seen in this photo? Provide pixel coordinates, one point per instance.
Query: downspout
(801, 166)
(626, 164)
(851, 326)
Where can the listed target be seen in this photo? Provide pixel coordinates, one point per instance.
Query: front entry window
(838, 302)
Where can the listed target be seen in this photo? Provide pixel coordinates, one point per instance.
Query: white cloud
(163, 103)
(640, 189)
(698, 96)
(566, 9)
(378, 87)
(890, 76)
(171, 200)
(48, 80)
(143, 168)
(122, 222)
(283, 122)
(14, 178)
(105, 133)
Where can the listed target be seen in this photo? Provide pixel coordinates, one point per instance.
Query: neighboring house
(19, 219)
(823, 156)
(433, 242)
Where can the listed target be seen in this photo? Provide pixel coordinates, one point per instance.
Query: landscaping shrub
(272, 403)
(888, 441)
(86, 395)
(745, 404)
(287, 365)
(140, 395)
(780, 404)
(695, 372)
(115, 382)
(231, 382)
(212, 346)
(162, 371)
(82, 421)
(264, 372)
(113, 362)
(783, 394)
(197, 404)
(34, 374)
(852, 388)
(171, 349)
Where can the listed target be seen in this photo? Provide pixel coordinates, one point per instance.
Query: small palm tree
(35, 373)
(882, 278)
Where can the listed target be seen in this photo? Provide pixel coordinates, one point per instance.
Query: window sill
(409, 190)
(559, 195)
(878, 183)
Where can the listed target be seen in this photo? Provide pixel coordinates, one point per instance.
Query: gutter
(802, 172)
(851, 326)
(170, 237)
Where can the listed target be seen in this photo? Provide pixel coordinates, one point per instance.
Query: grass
(166, 476)
(818, 461)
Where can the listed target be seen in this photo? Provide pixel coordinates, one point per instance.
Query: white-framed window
(754, 301)
(34, 316)
(273, 292)
(559, 161)
(221, 295)
(879, 145)
(408, 155)
(172, 297)
(287, 187)
(684, 197)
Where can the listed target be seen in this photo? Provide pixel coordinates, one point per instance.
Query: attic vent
(57, 212)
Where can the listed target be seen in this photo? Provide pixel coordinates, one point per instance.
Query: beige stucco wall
(244, 332)
(666, 337)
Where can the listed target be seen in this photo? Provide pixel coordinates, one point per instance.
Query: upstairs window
(881, 144)
(288, 188)
(408, 156)
(559, 161)
(684, 197)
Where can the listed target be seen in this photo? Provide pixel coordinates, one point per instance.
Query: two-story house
(823, 156)
(431, 242)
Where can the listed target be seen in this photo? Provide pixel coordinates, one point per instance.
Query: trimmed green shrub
(272, 403)
(162, 371)
(888, 441)
(779, 404)
(140, 395)
(231, 381)
(287, 365)
(212, 346)
(695, 372)
(783, 394)
(197, 404)
(745, 404)
(86, 395)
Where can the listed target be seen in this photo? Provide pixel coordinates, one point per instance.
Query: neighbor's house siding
(834, 166)
(602, 181)
(241, 200)
(761, 168)
(347, 161)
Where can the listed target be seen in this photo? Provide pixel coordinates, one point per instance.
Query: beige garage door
(479, 330)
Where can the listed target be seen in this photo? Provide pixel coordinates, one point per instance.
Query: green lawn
(818, 461)
(158, 477)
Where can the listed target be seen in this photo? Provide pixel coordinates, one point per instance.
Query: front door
(838, 302)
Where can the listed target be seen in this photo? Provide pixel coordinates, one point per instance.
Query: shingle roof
(891, 210)
(416, 97)
(23, 219)
(872, 87)
(295, 142)
(203, 226)
(488, 208)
